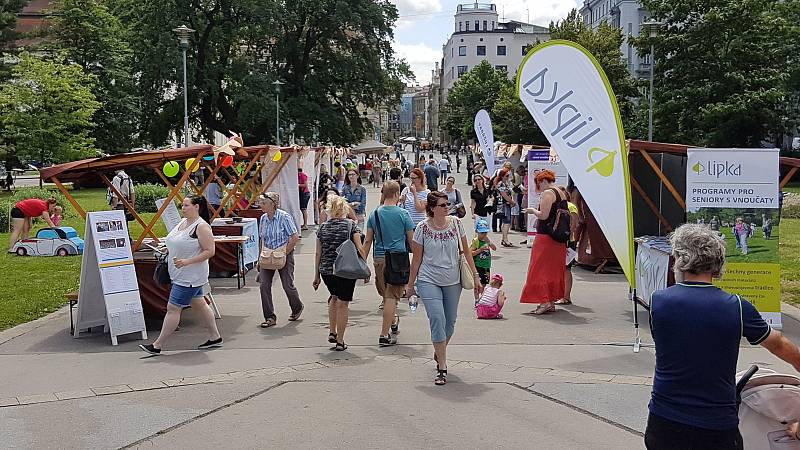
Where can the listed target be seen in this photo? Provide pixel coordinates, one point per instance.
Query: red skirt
(545, 282)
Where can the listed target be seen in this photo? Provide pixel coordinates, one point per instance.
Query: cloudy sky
(425, 25)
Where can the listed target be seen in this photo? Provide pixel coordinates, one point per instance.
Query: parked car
(58, 241)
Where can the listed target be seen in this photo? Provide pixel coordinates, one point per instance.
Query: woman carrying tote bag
(330, 237)
(436, 274)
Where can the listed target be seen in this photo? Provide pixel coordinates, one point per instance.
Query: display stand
(109, 289)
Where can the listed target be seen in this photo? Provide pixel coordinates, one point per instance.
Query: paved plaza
(522, 382)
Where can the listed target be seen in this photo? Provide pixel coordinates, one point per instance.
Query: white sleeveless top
(489, 296)
(182, 245)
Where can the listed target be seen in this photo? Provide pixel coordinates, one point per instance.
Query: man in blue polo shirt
(697, 329)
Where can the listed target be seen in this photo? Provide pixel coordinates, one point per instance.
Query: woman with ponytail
(190, 246)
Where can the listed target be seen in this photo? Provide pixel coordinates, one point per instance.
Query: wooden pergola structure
(244, 184)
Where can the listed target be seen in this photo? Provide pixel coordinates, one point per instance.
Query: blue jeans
(441, 306)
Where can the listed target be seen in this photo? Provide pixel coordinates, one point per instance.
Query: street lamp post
(652, 26)
(277, 84)
(184, 33)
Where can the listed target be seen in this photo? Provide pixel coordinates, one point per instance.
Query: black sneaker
(396, 325)
(150, 349)
(210, 344)
(386, 341)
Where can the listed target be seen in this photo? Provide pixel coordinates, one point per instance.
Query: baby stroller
(768, 402)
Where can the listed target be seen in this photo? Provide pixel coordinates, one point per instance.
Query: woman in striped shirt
(414, 198)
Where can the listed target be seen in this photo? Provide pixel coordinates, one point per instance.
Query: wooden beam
(125, 202)
(789, 177)
(651, 204)
(194, 186)
(241, 178)
(70, 198)
(270, 179)
(161, 210)
(168, 183)
(678, 198)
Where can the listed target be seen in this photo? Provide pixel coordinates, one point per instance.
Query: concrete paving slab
(398, 415)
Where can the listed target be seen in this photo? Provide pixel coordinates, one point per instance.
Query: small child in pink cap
(492, 300)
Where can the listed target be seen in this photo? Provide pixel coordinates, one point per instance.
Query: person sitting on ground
(697, 328)
(58, 213)
(492, 300)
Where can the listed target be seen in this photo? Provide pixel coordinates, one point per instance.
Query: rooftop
(472, 7)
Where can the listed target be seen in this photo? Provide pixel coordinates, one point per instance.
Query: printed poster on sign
(735, 193)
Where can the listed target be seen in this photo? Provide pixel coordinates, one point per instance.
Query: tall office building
(627, 15)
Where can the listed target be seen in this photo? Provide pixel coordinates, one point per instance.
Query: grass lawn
(790, 261)
(35, 286)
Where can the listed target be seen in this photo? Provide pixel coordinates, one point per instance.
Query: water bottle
(413, 301)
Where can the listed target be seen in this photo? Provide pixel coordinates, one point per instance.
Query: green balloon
(171, 168)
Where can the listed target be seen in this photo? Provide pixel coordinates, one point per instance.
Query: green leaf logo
(697, 168)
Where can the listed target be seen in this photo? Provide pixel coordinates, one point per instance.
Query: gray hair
(697, 250)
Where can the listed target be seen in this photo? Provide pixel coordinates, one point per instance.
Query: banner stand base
(637, 341)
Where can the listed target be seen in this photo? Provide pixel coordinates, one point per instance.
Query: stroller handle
(743, 382)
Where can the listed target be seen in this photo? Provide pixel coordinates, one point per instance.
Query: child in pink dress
(492, 300)
(57, 214)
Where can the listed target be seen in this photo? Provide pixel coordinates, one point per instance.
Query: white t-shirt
(440, 259)
(444, 164)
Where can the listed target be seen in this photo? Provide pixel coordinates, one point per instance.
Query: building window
(481, 50)
(459, 26)
(467, 22)
(477, 25)
(451, 72)
(493, 25)
(462, 50)
(484, 25)
(461, 71)
(501, 50)
(503, 68)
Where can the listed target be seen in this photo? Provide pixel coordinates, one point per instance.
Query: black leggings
(16, 213)
(663, 434)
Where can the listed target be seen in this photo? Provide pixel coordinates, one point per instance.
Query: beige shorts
(386, 291)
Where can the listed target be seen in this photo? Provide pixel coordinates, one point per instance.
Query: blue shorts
(182, 296)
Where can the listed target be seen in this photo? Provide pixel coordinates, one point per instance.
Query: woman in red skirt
(545, 282)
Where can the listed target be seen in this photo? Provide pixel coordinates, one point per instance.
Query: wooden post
(70, 198)
(161, 210)
(651, 204)
(125, 202)
(789, 177)
(168, 183)
(667, 183)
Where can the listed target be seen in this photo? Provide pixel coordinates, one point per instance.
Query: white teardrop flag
(569, 96)
(483, 129)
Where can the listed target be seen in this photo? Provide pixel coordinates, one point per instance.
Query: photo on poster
(108, 243)
(120, 242)
(102, 227)
(750, 235)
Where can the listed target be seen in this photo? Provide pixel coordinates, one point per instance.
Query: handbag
(272, 259)
(467, 280)
(161, 272)
(461, 210)
(397, 266)
(349, 264)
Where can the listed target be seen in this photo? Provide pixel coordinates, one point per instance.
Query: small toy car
(58, 241)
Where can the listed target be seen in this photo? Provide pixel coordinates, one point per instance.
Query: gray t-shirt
(440, 257)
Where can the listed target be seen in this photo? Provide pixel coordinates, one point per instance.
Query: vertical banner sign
(735, 192)
(570, 98)
(483, 129)
(539, 160)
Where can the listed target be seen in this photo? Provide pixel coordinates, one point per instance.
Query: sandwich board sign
(109, 289)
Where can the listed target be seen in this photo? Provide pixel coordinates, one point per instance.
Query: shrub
(146, 196)
(790, 212)
(30, 192)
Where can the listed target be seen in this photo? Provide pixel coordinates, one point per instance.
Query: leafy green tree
(47, 110)
(604, 43)
(477, 89)
(8, 20)
(727, 73)
(512, 122)
(89, 35)
(334, 56)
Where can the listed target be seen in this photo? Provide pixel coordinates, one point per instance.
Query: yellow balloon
(277, 157)
(171, 168)
(192, 165)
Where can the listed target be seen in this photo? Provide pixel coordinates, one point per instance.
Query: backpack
(557, 225)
